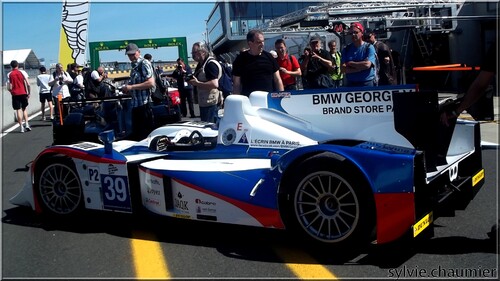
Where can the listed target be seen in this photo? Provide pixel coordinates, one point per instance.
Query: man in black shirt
(316, 65)
(255, 69)
(386, 70)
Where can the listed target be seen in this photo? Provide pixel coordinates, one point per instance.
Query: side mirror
(107, 138)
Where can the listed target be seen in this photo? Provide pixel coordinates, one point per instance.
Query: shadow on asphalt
(243, 242)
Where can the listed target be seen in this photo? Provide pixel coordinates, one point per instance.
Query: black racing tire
(58, 187)
(329, 203)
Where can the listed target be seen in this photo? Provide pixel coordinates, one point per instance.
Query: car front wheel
(59, 188)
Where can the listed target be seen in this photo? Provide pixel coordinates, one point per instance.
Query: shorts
(45, 97)
(19, 101)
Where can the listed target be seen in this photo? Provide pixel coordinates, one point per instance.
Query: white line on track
(16, 125)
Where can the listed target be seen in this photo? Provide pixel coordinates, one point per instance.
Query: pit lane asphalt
(100, 245)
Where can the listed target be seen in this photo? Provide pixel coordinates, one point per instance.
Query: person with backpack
(226, 80)
(92, 82)
(316, 65)
(140, 86)
(181, 72)
(358, 59)
(206, 80)
(289, 66)
(386, 70)
(160, 93)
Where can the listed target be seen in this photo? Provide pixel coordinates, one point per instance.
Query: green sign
(96, 47)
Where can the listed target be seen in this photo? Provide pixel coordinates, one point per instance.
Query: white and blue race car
(337, 166)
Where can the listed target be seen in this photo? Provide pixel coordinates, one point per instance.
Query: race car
(336, 166)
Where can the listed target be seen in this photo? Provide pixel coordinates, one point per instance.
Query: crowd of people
(365, 61)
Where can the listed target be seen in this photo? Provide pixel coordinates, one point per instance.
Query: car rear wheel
(59, 188)
(329, 203)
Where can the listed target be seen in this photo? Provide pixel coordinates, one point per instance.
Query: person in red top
(289, 66)
(19, 88)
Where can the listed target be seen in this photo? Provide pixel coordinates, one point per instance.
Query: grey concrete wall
(8, 114)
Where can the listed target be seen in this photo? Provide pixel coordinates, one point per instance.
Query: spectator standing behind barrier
(387, 70)
(185, 89)
(42, 81)
(97, 77)
(206, 80)
(289, 66)
(73, 70)
(78, 87)
(255, 69)
(316, 66)
(75, 90)
(59, 81)
(140, 85)
(358, 59)
(334, 70)
(19, 87)
(307, 52)
(159, 70)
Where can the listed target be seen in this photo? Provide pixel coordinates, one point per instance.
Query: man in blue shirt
(358, 59)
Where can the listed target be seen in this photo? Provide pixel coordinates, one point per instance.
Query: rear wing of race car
(417, 118)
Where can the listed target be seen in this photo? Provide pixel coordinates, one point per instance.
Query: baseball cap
(315, 38)
(358, 26)
(131, 49)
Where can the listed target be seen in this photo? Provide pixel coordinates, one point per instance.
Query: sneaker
(43, 118)
(28, 128)
(22, 129)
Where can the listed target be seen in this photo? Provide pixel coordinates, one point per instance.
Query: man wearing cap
(140, 86)
(386, 71)
(358, 59)
(316, 65)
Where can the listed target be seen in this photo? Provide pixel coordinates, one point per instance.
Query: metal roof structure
(428, 14)
(25, 57)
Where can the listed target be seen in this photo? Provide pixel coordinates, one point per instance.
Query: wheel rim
(326, 207)
(60, 189)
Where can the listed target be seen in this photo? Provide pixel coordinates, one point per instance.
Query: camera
(188, 77)
(60, 80)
